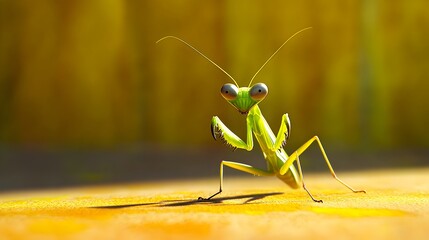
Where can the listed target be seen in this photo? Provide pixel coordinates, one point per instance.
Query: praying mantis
(246, 100)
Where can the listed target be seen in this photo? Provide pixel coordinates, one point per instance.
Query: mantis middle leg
(295, 157)
(241, 167)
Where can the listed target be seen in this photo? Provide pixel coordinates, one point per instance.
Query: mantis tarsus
(245, 100)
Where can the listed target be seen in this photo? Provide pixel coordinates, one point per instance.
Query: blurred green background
(86, 96)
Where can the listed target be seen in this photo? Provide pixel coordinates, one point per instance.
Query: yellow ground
(395, 207)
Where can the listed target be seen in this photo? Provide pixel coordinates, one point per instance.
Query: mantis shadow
(179, 203)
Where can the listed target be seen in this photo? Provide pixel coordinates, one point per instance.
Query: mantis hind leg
(295, 156)
(303, 183)
(240, 167)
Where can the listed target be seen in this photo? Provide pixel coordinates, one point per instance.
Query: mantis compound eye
(258, 92)
(229, 91)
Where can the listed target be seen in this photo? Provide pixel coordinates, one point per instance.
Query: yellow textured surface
(395, 207)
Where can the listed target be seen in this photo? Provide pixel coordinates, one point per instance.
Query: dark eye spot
(229, 91)
(258, 91)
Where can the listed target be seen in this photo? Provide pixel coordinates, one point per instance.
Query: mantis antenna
(189, 45)
(263, 65)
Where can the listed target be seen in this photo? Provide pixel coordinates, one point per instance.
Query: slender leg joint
(302, 180)
(300, 150)
(207, 199)
(237, 166)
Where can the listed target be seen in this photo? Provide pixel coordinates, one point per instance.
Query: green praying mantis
(245, 100)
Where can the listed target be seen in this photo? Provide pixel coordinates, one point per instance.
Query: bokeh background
(87, 97)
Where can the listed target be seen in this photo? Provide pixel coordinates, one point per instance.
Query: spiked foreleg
(219, 130)
(283, 133)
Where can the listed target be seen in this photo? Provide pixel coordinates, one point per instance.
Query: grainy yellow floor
(396, 206)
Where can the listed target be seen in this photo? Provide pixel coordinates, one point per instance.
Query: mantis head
(244, 98)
